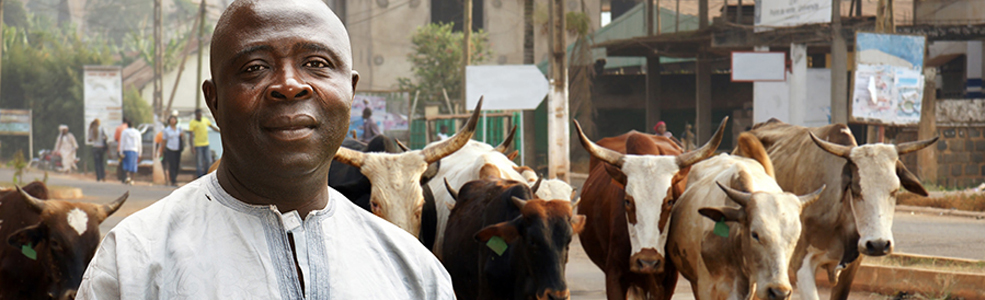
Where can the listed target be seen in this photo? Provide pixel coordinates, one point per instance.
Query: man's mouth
(290, 128)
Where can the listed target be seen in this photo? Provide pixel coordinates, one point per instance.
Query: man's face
(282, 86)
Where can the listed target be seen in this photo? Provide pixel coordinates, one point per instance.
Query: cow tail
(751, 147)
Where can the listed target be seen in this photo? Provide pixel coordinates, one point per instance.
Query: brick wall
(960, 156)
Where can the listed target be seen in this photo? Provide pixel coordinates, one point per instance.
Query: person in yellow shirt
(198, 131)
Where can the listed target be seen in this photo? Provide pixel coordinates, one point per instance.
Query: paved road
(915, 233)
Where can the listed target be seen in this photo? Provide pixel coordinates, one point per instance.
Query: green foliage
(18, 163)
(127, 26)
(42, 71)
(577, 23)
(136, 108)
(437, 62)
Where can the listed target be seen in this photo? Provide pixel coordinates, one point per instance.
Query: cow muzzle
(780, 292)
(875, 247)
(647, 261)
(550, 294)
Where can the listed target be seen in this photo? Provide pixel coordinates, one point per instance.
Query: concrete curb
(935, 284)
(940, 211)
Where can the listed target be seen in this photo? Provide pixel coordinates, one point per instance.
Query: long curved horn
(612, 157)
(742, 198)
(401, 145)
(453, 192)
(37, 204)
(809, 199)
(839, 150)
(350, 157)
(536, 185)
(108, 209)
(686, 159)
(905, 148)
(519, 202)
(440, 150)
(503, 147)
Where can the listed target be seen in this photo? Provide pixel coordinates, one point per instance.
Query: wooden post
(702, 18)
(656, 12)
(839, 68)
(884, 17)
(702, 120)
(652, 103)
(557, 106)
(927, 159)
(648, 14)
(198, 74)
(677, 17)
(466, 51)
(528, 119)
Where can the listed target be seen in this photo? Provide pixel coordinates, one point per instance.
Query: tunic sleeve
(101, 278)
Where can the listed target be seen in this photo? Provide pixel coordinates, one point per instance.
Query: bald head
(244, 16)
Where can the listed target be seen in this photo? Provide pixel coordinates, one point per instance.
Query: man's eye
(254, 68)
(316, 64)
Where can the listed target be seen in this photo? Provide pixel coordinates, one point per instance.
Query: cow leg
(844, 286)
(614, 289)
(805, 280)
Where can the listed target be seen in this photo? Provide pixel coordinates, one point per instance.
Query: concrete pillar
(652, 91)
(702, 120)
(798, 84)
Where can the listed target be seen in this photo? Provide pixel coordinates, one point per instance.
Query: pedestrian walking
(171, 147)
(66, 146)
(198, 129)
(120, 174)
(97, 137)
(131, 146)
(370, 129)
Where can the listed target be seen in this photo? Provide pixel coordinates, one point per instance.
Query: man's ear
(211, 99)
(355, 80)
(28, 235)
(505, 230)
(716, 214)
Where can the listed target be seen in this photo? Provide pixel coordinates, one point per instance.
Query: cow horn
(503, 147)
(440, 150)
(839, 150)
(401, 145)
(574, 203)
(109, 208)
(809, 199)
(905, 148)
(519, 202)
(37, 204)
(350, 157)
(354, 134)
(740, 197)
(687, 159)
(612, 157)
(537, 184)
(453, 192)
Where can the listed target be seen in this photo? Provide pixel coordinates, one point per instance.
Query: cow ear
(430, 172)
(505, 230)
(615, 172)
(909, 181)
(30, 235)
(577, 223)
(716, 214)
(513, 155)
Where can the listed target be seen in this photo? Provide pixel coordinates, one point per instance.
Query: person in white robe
(265, 225)
(66, 146)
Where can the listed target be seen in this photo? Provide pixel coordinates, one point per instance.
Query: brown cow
(626, 201)
(854, 215)
(50, 243)
(744, 249)
(536, 233)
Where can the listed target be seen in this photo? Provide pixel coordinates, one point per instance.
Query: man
(370, 129)
(661, 130)
(130, 147)
(265, 225)
(120, 174)
(65, 147)
(443, 133)
(198, 131)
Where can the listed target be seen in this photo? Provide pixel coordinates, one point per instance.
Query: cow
(535, 233)
(626, 201)
(396, 194)
(549, 189)
(733, 231)
(464, 166)
(50, 242)
(855, 214)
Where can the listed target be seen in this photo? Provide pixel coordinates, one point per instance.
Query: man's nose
(289, 88)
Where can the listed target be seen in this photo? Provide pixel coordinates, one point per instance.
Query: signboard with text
(103, 94)
(15, 122)
(785, 13)
(888, 83)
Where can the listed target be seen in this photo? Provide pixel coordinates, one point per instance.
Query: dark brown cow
(626, 201)
(536, 232)
(50, 242)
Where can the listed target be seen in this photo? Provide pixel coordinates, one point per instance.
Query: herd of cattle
(787, 202)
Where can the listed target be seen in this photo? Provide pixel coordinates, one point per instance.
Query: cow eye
(755, 236)
(55, 245)
(376, 206)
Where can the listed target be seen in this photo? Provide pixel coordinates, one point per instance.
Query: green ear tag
(721, 229)
(497, 244)
(28, 251)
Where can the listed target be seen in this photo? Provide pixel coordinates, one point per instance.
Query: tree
(437, 62)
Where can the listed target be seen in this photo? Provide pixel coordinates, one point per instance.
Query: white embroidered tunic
(201, 243)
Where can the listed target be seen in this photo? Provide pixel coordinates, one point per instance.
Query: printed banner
(888, 79)
(776, 13)
(103, 94)
(15, 122)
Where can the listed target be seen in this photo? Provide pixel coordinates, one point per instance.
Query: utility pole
(158, 61)
(529, 128)
(884, 24)
(656, 12)
(198, 74)
(648, 14)
(558, 128)
(839, 68)
(466, 51)
(702, 119)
